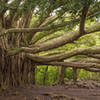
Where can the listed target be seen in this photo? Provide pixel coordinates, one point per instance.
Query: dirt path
(50, 93)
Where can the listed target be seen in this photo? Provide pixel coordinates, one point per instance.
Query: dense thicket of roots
(15, 70)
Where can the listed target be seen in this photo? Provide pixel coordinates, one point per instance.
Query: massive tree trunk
(15, 70)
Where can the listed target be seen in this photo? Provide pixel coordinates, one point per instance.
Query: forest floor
(69, 91)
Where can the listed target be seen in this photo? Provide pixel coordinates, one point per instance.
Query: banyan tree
(32, 31)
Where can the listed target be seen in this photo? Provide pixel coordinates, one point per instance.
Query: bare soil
(69, 91)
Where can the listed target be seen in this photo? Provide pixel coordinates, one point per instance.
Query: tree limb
(65, 55)
(21, 30)
(62, 40)
(83, 18)
(94, 56)
(72, 64)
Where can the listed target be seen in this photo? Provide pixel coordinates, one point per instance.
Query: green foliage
(86, 75)
(69, 74)
(51, 75)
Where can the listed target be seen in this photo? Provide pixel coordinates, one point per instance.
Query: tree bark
(64, 55)
(61, 76)
(75, 75)
(15, 71)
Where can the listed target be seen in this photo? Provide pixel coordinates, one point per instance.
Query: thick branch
(85, 60)
(89, 67)
(92, 69)
(62, 40)
(20, 30)
(62, 56)
(73, 64)
(94, 56)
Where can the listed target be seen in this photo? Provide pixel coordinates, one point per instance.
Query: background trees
(47, 32)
